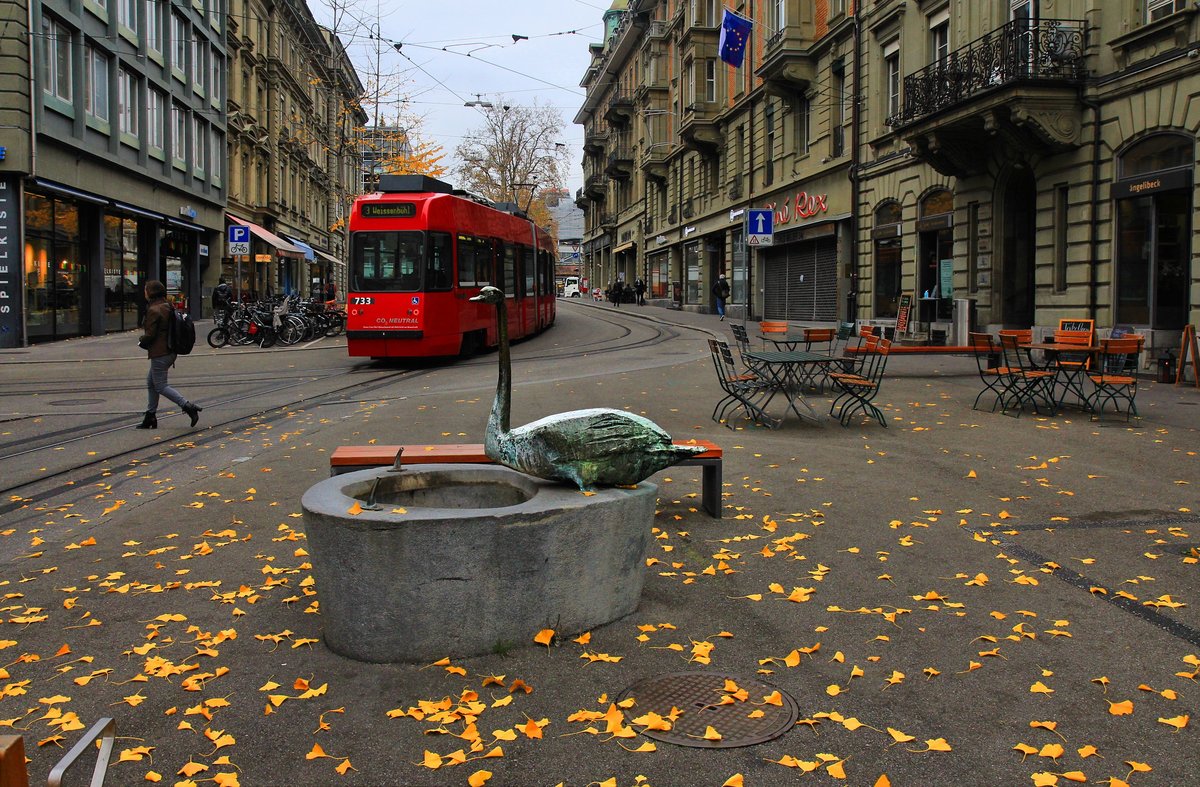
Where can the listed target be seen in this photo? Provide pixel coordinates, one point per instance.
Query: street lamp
(479, 102)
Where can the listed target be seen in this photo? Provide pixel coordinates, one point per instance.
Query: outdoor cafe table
(1068, 375)
(787, 369)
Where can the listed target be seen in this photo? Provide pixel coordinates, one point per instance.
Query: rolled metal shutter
(775, 295)
(825, 279)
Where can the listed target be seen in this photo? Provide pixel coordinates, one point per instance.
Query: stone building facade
(1034, 160)
(294, 124)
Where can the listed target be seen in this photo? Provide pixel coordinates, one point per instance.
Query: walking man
(154, 342)
(720, 291)
(639, 288)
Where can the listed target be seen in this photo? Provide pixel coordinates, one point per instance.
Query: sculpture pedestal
(460, 561)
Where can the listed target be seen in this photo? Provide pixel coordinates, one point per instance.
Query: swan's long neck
(498, 422)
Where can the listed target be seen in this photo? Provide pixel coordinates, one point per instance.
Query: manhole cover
(76, 402)
(743, 711)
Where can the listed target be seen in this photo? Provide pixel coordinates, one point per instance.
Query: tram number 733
(420, 249)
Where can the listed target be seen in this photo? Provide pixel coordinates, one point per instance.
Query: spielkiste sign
(10, 280)
(802, 206)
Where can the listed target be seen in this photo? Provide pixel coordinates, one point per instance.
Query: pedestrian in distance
(615, 293)
(330, 291)
(639, 289)
(720, 292)
(221, 296)
(154, 342)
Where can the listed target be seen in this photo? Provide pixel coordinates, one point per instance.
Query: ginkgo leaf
(735, 780)
(479, 778)
(837, 770)
(190, 769)
(1088, 751)
(1040, 688)
(1178, 722)
(1123, 708)
(1052, 750)
(1044, 779)
(544, 637)
(898, 736)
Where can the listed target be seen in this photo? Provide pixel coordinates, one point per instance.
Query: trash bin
(963, 321)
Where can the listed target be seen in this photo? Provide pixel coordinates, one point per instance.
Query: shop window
(1153, 232)
(887, 274)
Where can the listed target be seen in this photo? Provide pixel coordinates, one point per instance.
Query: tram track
(100, 467)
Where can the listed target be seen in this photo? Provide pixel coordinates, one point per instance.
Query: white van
(571, 287)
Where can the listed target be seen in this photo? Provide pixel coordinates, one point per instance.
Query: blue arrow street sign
(760, 226)
(239, 233)
(761, 221)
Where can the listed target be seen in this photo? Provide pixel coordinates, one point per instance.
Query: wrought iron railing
(1024, 50)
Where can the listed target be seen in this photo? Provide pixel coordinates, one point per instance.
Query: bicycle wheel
(336, 324)
(268, 337)
(218, 337)
(239, 332)
(291, 330)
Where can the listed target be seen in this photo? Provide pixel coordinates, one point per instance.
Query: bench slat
(448, 453)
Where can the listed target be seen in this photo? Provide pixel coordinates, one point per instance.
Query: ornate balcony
(699, 127)
(620, 162)
(594, 140)
(1015, 87)
(582, 200)
(595, 187)
(788, 67)
(654, 160)
(620, 110)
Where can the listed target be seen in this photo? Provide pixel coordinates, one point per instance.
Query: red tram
(419, 250)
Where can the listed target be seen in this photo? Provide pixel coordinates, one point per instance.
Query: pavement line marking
(1075, 579)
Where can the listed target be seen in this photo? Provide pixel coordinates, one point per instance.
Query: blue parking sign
(239, 233)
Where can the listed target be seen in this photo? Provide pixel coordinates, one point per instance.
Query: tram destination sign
(388, 210)
(10, 278)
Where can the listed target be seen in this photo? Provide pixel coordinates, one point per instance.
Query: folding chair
(993, 374)
(858, 390)
(741, 389)
(1022, 382)
(775, 331)
(1071, 365)
(818, 340)
(1112, 379)
(742, 340)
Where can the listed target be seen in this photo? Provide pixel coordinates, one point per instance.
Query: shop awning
(625, 247)
(329, 257)
(271, 239)
(308, 250)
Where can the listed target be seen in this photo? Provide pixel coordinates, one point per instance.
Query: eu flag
(735, 35)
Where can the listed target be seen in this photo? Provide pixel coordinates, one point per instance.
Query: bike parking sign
(239, 240)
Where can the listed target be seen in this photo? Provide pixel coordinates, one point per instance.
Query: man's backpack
(181, 333)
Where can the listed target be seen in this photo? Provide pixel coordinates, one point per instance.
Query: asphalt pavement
(961, 598)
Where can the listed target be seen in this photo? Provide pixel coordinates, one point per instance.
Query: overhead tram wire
(400, 44)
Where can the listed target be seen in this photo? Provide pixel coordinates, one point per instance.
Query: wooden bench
(347, 458)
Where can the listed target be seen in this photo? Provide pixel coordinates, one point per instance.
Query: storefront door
(56, 274)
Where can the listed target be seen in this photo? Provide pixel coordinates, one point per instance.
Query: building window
(837, 144)
(128, 102)
(178, 136)
(215, 146)
(179, 43)
(939, 38)
(803, 125)
(837, 8)
(891, 80)
(199, 142)
(769, 144)
(214, 76)
(689, 74)
(95, 100)
(710, 80)
(127, 14)
(887, 274)
(156, 102)
(199, 55)
(56, 59)
(1158, 9)
(1061, 220)
(154, 26)
(778, 14)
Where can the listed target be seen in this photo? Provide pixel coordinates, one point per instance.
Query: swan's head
(489, 294)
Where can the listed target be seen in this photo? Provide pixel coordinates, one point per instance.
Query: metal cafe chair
(1024, 383)
(858, 390)
(741, 389)
(742, 340)
(1112, 380)
(994, 375)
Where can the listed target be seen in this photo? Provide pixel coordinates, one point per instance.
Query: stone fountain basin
(464, 560)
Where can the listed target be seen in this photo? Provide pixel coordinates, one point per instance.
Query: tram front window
(388, 261)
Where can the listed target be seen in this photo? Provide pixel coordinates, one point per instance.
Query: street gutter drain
(697, 694)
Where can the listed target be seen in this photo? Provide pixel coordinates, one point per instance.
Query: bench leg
(710, 494)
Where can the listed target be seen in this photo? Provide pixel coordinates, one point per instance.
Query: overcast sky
(454, 49)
